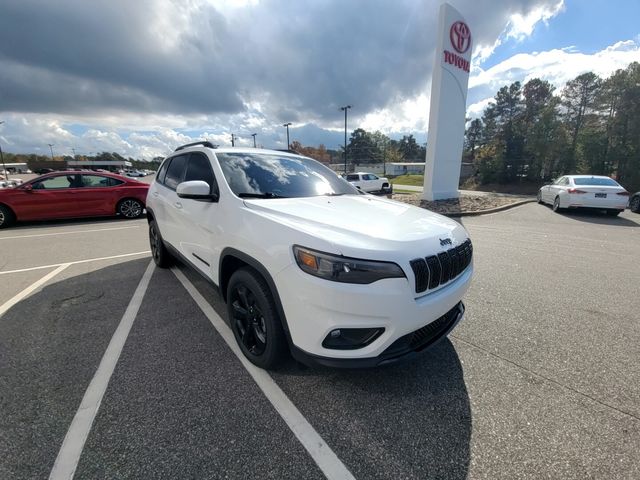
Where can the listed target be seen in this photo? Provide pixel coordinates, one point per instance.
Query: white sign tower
(448, 105)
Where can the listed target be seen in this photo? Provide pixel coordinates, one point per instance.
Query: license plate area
(601, 195)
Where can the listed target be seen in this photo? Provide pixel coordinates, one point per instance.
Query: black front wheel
(634, 205)
(556, 205)
(254, 319)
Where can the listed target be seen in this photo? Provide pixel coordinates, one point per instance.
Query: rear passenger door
(170, 220)
(97, 195)
(198, 234)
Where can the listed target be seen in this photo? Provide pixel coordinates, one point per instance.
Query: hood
(358, 223)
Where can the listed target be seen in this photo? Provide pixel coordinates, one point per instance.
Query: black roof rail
(204, 143)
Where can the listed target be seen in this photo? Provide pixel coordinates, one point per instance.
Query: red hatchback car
(71, 194)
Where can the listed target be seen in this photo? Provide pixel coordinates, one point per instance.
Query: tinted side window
(114, 182)
(94, 181)
(162, 171)
(199, 168)
(353, 178)
(57, 182)
(175, 172)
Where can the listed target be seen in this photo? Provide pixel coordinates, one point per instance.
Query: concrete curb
(491, 210)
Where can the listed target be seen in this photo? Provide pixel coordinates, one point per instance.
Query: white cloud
(521, 25)
(556, 66)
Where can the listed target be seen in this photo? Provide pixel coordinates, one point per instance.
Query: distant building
(113, 165)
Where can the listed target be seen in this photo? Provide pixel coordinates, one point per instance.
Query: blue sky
(589, 25)
(140, 78)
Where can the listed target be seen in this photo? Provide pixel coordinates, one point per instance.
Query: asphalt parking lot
(541, 380)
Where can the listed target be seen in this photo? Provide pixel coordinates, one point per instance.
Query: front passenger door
(198, 232)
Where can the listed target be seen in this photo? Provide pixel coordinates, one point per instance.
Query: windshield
(600, 181)
(258, 175)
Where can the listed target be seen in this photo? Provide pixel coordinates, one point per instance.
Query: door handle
(178, 205)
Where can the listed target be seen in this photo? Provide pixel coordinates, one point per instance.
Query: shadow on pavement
(599, 217)
(50, 346)
(410, 420)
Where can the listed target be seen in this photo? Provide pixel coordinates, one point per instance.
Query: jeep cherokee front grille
(433, 271)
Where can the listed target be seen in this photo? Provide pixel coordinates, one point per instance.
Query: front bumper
(315, 307)
(405, 348)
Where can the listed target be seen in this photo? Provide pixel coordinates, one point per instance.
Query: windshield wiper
(260, 195)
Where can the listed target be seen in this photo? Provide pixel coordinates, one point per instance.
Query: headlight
(343, 269)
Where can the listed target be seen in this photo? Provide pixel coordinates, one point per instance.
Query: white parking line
(97, 259)
(69, 233)
(69, 454)
(325, 458)
(31, 288)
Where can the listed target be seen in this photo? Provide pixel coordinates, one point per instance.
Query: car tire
(613, 213)
(254, 319)
(159, 252)
(130, 208)
(634, 204)
(539, 197)
(556, 205)
(6, 217)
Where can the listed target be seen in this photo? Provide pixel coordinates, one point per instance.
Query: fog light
(351, 338)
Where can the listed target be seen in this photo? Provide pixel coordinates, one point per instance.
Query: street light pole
(254, 139)
(233, 140)
(344, 109)
(4, 169)
(287, 126)
(51, 147)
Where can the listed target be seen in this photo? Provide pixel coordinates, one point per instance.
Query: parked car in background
(135, 173)
(42, 171)
(634, 203)
(585, 191)
(72, 194)
(370, 183)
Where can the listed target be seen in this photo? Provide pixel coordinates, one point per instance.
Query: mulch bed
(464, 204)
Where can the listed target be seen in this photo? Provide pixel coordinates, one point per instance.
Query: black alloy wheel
(634, 205)
(556, 205)
(254, 320)
(159, 252)
(130, 208)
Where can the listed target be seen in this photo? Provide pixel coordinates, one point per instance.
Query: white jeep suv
(305, 262)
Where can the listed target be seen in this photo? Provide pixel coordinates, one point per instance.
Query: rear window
(353, 178)
(596, 181)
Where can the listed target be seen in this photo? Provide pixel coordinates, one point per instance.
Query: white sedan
(585, 191)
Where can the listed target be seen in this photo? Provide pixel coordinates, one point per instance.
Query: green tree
(578, 98)
(361, 148)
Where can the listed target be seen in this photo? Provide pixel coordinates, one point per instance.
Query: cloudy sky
(142, 77)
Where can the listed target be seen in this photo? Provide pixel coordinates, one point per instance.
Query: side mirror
(196, 190)
(28, 188)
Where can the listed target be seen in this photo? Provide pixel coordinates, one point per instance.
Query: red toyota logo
(460, 36)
